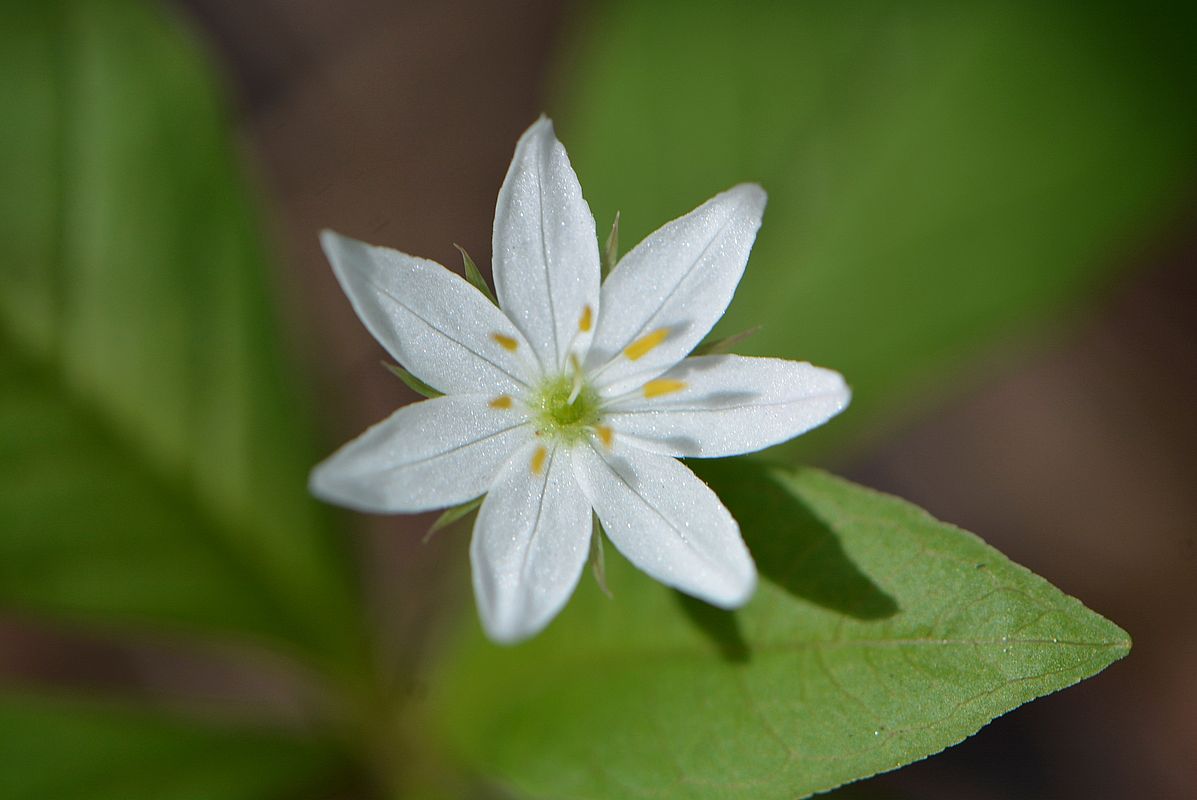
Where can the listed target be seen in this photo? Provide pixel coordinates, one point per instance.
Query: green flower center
(561, 417)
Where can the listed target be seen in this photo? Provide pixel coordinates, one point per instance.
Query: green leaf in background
(938, 173)
(69, 749)
(153, 444)
(878, 636)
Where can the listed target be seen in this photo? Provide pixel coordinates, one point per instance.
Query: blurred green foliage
(59, 749)
(937, 173)
(154, 442)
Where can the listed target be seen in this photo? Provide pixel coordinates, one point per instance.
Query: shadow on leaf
(720, 626)
(793, 549)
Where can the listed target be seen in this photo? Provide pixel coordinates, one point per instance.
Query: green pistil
(561, 419)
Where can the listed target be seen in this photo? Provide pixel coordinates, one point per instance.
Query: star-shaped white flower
(573, 397)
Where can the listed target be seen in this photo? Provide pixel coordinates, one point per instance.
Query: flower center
(566, 410)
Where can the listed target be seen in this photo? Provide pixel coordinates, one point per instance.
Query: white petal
(546, 259)
(729, 405)
(432, 321)
(675, 284)
(667, 522)
(432, 454)
(530, 543)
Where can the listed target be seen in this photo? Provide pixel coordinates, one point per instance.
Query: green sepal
(474, 276)
(711, 347)
(598, 561)
(415, 384)
(611, 248)
(453, 514)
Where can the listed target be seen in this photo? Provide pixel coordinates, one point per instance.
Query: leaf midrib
(688, 652)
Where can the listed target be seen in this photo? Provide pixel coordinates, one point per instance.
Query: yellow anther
(645, 344)
(538, 460)
(506, 342)
(587, 319)
(663, 386)
(502, 401)
(606, 436)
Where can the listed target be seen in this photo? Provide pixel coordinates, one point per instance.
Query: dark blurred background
(1063, 432)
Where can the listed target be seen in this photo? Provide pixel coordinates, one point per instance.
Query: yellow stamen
(587, 319)
(645, 344)
(606, 436)
(506, 342)
(663, 386)
(538, 460)
(502, 401)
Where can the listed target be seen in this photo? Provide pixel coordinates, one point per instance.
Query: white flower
(573, 397)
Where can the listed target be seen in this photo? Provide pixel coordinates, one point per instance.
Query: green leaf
(411, 381)
(154, 443)
(70, 750)
(878, 636)
(938, 174)
(474, 276)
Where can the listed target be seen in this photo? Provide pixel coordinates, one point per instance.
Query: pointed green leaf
(411, 381)
(154, 440)
(878, 636)
(71, 750)
(611, 248)
(474, 276)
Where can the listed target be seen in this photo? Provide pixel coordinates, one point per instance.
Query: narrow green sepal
(598, 562)
(415, 384)
(611, 248)
(711, 347)
(474, 276)
(451, 515)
